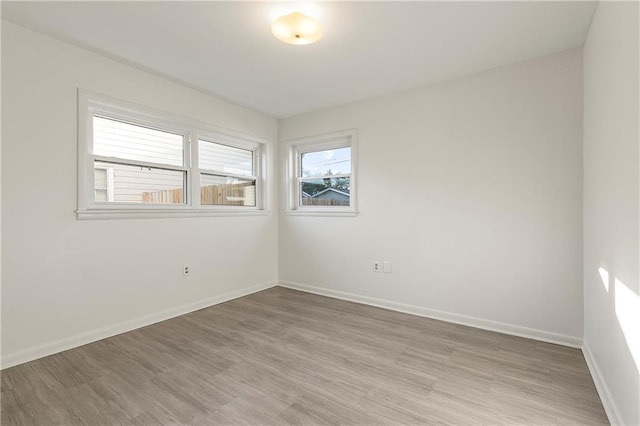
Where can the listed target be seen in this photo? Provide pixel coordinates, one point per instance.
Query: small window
(134, 162)
(322, 178)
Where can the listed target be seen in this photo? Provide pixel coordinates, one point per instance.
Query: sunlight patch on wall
(604, 276)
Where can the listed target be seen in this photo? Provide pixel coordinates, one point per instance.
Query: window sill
(321, 213)
(100, 214)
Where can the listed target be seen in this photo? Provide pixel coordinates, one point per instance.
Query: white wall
(471, 188)
(66, 281)
(611, 213)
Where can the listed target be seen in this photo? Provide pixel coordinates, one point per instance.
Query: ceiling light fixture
(296, 28)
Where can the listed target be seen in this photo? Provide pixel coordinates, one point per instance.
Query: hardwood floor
(287, 357)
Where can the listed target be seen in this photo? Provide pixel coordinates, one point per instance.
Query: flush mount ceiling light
(296, 28)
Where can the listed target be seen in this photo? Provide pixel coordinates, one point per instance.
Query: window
(135, 162)
(321, 174)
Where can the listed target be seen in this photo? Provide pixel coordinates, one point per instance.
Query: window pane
(225, 159)
(325, 192)
(135, 184)
(113, 138)
(227, 191)
(329, 162)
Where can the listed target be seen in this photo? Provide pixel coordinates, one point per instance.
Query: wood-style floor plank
(287, 357)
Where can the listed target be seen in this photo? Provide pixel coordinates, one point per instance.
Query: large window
(321, 174)
(134, 161)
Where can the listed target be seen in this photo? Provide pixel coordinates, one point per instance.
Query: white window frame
(92, 104)
(327, 141)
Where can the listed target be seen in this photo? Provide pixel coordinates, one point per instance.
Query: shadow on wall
(627, 310)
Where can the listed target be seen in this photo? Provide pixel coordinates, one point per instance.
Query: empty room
(346, 213)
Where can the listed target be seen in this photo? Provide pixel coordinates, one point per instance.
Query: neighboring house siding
(225, 159)
(131, 181)
(331, 195)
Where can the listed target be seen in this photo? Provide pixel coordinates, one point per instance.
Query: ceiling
(368, 49)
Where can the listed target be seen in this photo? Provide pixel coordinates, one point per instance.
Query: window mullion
(186, 160)
(257, 188)
(229, 175)
(115, 160)
(195, 170)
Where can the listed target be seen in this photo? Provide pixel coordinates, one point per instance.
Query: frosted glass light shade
(297, 28)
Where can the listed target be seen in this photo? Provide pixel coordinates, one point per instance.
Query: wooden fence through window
(233, 194)
(307, 201)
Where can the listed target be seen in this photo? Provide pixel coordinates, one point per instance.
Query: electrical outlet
(376, 266)
(186, 270)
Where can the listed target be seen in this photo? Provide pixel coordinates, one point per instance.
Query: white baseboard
(608, 402)
(71, 342)
(516, 330)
